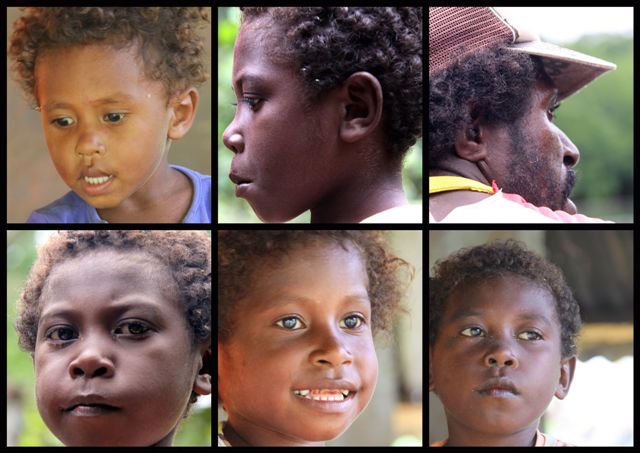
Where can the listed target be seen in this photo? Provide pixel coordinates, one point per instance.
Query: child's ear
(361, 105)
(184, 106)
(202, 383)
(567, 370)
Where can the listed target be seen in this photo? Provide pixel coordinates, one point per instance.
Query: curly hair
(186, 255)
(169, 45)
(241, 252)
(328, 44)
(493, 84)
(475, 264)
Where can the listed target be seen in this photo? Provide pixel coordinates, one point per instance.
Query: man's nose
(571, 155)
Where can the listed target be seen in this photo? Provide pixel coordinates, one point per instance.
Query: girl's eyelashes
(527, 335)
(291, 323)
(349, 322)
(252, 101)
(132, 329)
(109, 118)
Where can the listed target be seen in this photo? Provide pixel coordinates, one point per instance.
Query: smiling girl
(297, 312)
(329, 101)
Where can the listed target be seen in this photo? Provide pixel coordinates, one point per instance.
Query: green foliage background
(21, 253)
(599, 120)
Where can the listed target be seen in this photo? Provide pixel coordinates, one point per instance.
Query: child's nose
(91, 362)
(331, 352)
(501, 356)
(89, 144)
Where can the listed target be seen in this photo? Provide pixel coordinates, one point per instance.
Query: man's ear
(184, 106)
(567, 370)
(361, 104)
(202, 382)
(471, 142)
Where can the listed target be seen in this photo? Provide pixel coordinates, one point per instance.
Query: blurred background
(599, 119)
(598, 266)
(32, 180)
(24, 425)
(236, 210)
(394, 415)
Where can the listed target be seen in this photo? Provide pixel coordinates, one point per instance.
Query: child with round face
(119, 327)
(297, 312)
(502, 330)
(329, 100)
(114, 87)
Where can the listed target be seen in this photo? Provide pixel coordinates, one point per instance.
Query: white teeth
(100, 180)
(322, 395)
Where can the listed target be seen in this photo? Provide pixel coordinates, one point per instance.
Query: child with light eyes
(115, 87)
(502, 330)
(297, 313)
(118, 324)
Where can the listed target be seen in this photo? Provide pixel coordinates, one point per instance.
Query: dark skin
(533, 159)
(327, 157)
(102, 115)
(305, 322)
(504, 327)
(128, 342)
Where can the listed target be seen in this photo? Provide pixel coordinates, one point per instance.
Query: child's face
(112, 332)
(305, 324)
(286, 155)
(504, 328)
(102, 118)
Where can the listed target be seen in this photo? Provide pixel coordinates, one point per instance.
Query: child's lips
(95, 181)
(498, 387)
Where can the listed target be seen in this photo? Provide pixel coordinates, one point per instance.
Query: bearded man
(495, 155)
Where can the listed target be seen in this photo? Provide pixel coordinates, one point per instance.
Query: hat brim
(570, 70)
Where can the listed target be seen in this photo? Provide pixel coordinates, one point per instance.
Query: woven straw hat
(457, 32)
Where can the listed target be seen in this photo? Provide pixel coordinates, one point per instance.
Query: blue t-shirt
(73, 209)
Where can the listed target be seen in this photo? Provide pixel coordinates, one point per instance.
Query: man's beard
(530, 175)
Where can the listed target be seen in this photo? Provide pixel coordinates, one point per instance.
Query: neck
(460, 167)
(361, 197)
(523, 438)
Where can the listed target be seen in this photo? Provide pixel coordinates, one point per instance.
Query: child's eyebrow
(287, 298)
(524, 316)
(115, 310)
(247, 78)
(115, 98)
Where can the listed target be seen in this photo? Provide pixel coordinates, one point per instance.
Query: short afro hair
(494, 84)
(169, 45)
(475, 264)
(240, 253)
(328, 44)
(185, 254)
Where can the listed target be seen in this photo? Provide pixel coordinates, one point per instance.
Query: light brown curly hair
(241, 252)
(167, 39)
(185, 254)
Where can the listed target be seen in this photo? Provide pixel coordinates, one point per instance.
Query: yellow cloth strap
(449, 183)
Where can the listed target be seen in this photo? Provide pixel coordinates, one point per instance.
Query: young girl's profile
(297, 313)
(329, 101)
(114, 88)
(118, 324)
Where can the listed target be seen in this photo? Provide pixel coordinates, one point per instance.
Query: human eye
(551, 111)
(530, 335)
(290, 323)
(61, 334)
(352, 322)
(253, 102)
(472, 332)
(63, 122)
(114, 117)
(132, 328)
